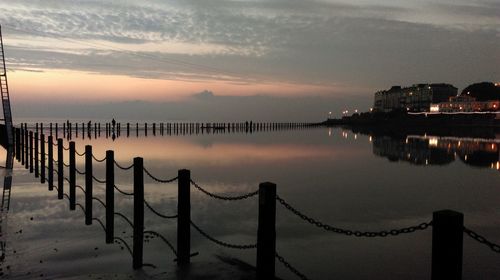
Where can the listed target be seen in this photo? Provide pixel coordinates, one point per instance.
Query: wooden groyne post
(31, 151)
(110, 196)
(266, 233)
(50, 146)
(60, 169)
(447, 245)
(88, 184)
(138, 212)
(42, 161)
(184, 217)
(72, 176)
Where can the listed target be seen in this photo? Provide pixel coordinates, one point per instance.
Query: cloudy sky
(221, 59)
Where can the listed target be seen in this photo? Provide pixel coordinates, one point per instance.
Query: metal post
(72, 176)
(50, 162)
(447, 245)
(23, 143)
(26, 147)
(110, 196)
(31, 151)
(42, 154)
(18, 144)
(37, 170)
(88, 185)
(184, 217)
(60, 169)
(266, 233)
(138, 212)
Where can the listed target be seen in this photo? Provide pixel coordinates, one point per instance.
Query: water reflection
(436, 150)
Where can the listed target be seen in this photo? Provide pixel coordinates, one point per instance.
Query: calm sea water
(347, 180)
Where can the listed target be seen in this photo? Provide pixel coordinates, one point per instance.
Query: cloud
(329, 43)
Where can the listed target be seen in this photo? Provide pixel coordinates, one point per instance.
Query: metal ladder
(7, 118)
(4, 88)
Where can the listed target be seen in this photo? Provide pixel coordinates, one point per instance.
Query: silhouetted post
(137, 129)
(36, 127)
(37, 170)
(23, 143)
(184, 217)
(42, 154)
(154, 128)
(18, 144)
(50, 129)
(128, 129)
(266, 233)
(145, 129)
(51, 162)
(72, 176)
(76, 130)
(64, 129)
(138, 212)
(57, 131)
(110, 196)
(60, 169)
(31, 151)
(88, 184)
(447, 245)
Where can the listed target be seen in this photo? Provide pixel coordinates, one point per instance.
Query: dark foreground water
(347, 180)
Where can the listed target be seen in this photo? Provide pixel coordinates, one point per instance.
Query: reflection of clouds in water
(346, 187)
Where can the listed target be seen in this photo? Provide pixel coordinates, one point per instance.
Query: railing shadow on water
(447, 225)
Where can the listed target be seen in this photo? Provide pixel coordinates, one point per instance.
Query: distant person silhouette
(113, 123)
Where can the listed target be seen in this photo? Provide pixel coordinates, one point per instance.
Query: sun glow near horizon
(70, 85)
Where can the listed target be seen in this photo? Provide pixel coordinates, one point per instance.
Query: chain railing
(290, 267)
(122, 167)
(348, 232)
(99, 200)
(81, 155)
(156, 234)
(79, 172)
(98, 160)
(158, 213)
(481, 239)
(125, 218)
(222, 243)
(120, 241)
(81, 188)
(221, 197)
(98, 180)
(122, 192)
(163, 181)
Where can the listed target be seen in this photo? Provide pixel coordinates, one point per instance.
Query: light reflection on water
(345, 179)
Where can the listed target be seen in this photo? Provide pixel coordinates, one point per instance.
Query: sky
(217, 60)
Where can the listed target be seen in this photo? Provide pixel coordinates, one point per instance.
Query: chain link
(123, 168)
(241, 197)
(123, 192)
(156, 234)
(290, 267)
(79, 172)
(222, 243)
(326, 227)
(158, 179)
(158, 213)
(98, 160)
(98, 181)
(481, 239)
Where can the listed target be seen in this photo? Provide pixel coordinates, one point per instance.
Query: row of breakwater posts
(89, 129)
(36, 153)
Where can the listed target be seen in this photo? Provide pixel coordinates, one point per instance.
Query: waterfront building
(416, 98)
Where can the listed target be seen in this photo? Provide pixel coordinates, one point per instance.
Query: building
(466, 103)
(416, 98)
